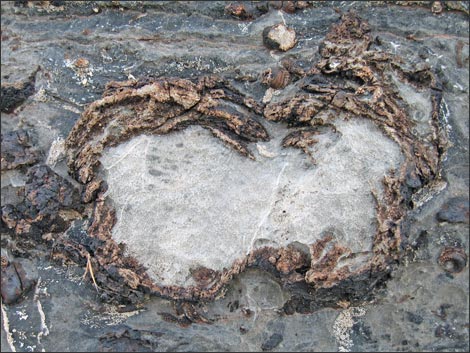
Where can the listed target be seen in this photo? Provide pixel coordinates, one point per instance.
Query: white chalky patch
(185, 199)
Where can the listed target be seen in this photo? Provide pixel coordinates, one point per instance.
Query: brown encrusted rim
(165, 105)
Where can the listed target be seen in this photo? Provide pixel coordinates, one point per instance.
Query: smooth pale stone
(185, 199)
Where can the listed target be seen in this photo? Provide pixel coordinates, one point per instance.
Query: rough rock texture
(248, 10)
(17, 150)
(48, 202)
(15, 90)
(406, 62)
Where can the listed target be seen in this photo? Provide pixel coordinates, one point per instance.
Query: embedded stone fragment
(14, 281)
(279, 37)
(17, 150)
(276, 78)
(437, 7)
(239, 10)
(272, 342)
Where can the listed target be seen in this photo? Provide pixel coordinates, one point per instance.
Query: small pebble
(279, 37)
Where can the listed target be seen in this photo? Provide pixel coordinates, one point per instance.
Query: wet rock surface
(152, 48)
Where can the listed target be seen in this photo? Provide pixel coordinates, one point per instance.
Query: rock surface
(81, 47)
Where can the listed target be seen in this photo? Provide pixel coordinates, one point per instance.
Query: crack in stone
(270, 208)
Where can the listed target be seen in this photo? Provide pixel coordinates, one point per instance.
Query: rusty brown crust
(159, 107)
(245, 10)
(350, 81)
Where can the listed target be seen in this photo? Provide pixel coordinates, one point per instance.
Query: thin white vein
(6, 328)
(127, 153)
(268, 210)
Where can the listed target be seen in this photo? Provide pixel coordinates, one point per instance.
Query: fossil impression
(279, 186)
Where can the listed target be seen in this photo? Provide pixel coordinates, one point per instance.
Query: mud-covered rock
(46, 193)
(276, 78)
